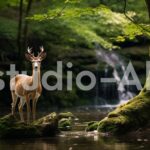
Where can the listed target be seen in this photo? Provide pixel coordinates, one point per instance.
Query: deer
(22, 87)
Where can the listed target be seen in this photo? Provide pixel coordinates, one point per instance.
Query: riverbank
(81, 140)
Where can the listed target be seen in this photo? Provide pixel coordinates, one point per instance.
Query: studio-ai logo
(58, 74)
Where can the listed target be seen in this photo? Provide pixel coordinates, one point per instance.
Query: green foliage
(8, 3)
(137, 7)
(88, 22)
(8, 28)
(68, 29)
(98, 24)
(130, 32)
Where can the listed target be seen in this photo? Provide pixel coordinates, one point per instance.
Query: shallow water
(78, 139)
(73, 141)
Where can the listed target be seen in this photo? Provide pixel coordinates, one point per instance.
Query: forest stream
(73, 44)
(77, 138)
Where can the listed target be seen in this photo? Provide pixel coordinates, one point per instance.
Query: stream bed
(78, 139)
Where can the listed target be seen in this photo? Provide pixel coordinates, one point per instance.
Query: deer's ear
(28, 57)
(43, 56)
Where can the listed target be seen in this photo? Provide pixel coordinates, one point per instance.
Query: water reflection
(78, 140)
(73, 141)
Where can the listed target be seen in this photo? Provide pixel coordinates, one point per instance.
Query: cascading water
(113, 60)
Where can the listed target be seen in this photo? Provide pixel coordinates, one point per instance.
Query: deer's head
(36, 60)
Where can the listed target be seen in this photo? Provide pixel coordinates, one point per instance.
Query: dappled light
(74, 74)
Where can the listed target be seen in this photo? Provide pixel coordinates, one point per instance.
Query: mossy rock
(93, 125)
(65, 124)
(10, 127)
(65, 115)
(128, 117)
(65, 121)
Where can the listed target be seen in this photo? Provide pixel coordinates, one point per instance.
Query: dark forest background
(68, 31)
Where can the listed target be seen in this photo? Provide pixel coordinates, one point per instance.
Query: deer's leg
(34, 102)
(20, 107)
(14, 102)
(28, 109)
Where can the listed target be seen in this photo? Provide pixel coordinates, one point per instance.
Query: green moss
(130, 116)
(115, 125)
(93, 125)
(46, 119)
(10, 127)
(65, 124)
(65, 115)
(65, 121)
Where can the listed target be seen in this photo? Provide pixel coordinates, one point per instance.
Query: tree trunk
(148, 6)
(25, 30)
(22, 32)
(19, 36)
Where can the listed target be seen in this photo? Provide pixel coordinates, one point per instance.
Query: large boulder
(127, 117)
(11, 127)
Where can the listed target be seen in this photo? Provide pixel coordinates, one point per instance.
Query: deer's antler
(29, 51)
(41, 51)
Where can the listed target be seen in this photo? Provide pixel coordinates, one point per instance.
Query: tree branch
(61, 11)
(138, 25)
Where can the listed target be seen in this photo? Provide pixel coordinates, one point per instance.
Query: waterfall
(98, 100)
(116, 63)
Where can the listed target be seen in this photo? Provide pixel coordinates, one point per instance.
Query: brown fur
(25, 95)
